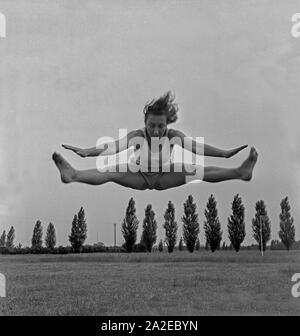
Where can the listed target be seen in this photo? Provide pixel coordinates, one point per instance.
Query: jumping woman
(158, 114)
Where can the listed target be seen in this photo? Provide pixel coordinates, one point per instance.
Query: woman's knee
(196, 176)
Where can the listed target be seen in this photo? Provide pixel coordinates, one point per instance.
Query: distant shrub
(6, 250)
(22, 250)
(64, 250)
(117, 249)
(180, 245)
(197, 245)
(139, 248)
(160, 246)
(37, 250)
(87, 249)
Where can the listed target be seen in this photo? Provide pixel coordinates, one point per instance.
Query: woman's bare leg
(244, 172)
(168, 180)
(94, 177)
(212, 174)
(67, 173)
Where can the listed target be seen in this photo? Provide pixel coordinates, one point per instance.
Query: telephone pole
(115, 235)
(261, 236)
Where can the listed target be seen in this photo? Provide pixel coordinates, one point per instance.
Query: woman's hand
(231, 152)
(81, 152)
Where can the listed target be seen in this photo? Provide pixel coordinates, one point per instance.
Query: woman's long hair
(162, 106)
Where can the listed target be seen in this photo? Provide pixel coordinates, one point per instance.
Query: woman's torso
(152, 153)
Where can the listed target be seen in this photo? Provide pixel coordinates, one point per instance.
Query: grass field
(180, 283)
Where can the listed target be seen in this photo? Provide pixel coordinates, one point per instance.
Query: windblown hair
(163, 106)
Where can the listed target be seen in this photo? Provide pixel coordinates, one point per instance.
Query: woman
(152, 173)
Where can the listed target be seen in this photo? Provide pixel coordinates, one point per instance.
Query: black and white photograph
(149, 160)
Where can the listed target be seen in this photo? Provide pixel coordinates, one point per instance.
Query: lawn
(180, 283)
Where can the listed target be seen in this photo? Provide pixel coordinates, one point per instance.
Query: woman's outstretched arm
(108, 148)
(205, 149)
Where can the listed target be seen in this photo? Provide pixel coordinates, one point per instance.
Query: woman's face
(156, 125)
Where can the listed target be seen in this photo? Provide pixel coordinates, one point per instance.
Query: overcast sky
(73, 71)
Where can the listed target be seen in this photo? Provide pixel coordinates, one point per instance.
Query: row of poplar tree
(77, 236)
(261, 226)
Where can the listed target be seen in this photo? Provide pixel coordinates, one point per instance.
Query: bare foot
(67, 172)
(247, 166)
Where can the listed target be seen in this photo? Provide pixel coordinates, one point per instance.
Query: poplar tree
(170, 227)
(190, 224)
(50, 240)
(78, 231)
(3, 239)
(236, 223)
(130, 226)
(287, 228)
(36, 241)
(10, 238)
(148, 238)
(212, 226)
(261, 225)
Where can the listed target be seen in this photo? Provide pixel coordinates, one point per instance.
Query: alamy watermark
(2, 285)
(296, 286)
(187, 156)
(295, 31)
(2, 26)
